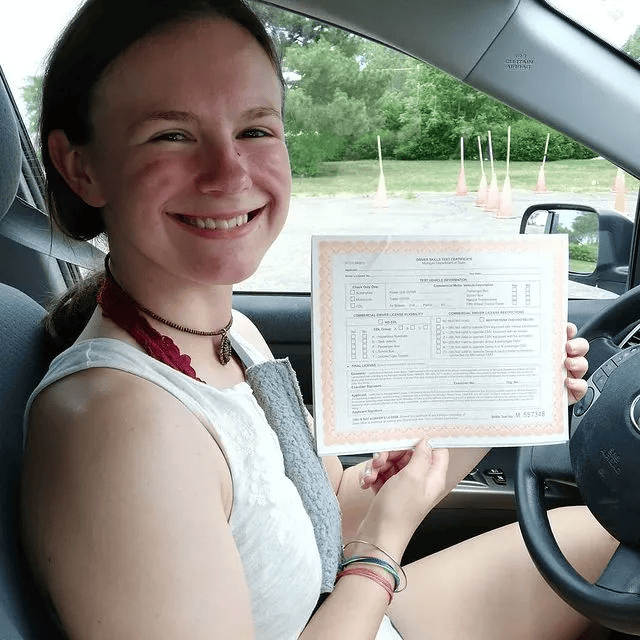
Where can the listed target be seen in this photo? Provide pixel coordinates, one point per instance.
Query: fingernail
(376, 455)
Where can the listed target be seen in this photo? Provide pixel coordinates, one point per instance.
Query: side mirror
(599, 241)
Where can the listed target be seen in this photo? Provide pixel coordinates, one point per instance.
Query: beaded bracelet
(379, 562)
(372, 575)
(399, 569)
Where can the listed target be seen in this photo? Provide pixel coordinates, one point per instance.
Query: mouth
(202, 222)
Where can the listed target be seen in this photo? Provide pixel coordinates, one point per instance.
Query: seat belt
(30, 227)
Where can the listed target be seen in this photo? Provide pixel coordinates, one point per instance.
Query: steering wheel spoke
(622, 574)
(552, 462)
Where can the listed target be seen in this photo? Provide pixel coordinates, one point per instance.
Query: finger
(576, 367)
(577, 388)
(421, 454)
(367, 475)
(572, 330)
(577, 347)
(379, 459)
(439, 462)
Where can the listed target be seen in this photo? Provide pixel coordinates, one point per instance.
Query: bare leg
(488, 588)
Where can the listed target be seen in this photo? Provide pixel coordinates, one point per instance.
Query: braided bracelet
(372, 575)
(399, 569)
(379, 562)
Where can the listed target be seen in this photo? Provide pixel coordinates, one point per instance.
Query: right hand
(408, 486)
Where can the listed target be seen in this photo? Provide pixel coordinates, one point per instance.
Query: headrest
(10, 152)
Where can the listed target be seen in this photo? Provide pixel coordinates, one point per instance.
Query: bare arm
(125, 503)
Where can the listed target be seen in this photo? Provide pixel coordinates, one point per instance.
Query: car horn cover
(605, 453)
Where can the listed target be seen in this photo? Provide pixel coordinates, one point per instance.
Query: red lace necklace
(121, 308)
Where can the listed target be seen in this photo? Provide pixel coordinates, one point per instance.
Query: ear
(73, 165)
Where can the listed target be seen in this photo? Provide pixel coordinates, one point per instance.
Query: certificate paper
(461, 341)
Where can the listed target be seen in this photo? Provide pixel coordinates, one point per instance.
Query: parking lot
(286, 266)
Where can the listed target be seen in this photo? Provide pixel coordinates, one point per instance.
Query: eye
(256, 133)
(170, 136)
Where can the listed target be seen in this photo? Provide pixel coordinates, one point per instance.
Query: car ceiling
(576, 84)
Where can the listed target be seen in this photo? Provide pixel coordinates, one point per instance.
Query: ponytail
(70, 313)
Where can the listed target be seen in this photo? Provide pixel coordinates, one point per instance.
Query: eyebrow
(188, 116)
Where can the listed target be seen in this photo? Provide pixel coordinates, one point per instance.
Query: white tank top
(271, 529)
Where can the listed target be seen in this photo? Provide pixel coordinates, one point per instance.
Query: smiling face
(188, 155)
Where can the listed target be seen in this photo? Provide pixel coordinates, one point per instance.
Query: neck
(187, 302)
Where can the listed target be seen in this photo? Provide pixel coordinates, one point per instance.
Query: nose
(223, 168)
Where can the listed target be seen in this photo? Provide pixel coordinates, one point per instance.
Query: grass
(580, 266)
(406, 178)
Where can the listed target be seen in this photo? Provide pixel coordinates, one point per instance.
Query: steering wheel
(602, 458)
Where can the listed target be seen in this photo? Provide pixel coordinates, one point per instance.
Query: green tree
(289, 29)
(32, 98)
(584, 229)
(632, 46)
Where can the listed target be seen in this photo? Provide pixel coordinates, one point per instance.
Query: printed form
(461, 341)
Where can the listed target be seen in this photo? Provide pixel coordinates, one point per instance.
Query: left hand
(576, 364)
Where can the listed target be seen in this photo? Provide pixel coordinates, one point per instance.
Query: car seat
(22, 363)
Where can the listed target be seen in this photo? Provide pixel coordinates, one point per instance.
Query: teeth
(212, 223)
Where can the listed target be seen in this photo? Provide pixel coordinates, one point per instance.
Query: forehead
(208, 60)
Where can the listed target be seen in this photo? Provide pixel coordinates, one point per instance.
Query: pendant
(224, 354)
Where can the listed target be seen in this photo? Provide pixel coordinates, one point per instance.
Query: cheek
(153, 181)
(275, 171)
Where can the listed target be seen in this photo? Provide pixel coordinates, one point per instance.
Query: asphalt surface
(286, 267)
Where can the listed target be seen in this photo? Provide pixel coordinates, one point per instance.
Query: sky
(615, 21)
(612, 20)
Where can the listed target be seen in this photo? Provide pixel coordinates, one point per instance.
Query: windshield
(615, 21)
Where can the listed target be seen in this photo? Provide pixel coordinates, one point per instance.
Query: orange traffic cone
(505, 208)
(620, 202)
(481, 197)
(618, 183)
(483, 191)
(541, 185)
(493, 196)
(461, 188)
(381, 199)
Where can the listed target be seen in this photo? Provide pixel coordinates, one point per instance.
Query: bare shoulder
(121, 485)
(245, 327)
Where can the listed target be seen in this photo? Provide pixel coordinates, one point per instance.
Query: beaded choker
(121, 308)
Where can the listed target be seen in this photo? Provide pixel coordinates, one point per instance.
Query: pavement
(286, 267)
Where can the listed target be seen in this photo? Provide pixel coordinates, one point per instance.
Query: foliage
(583, 252)
(584, 229)
(32, 96)
(528, 139)
(632, 46)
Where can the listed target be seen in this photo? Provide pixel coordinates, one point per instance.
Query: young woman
(157, 500)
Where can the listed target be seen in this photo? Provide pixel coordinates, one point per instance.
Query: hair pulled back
(100, 32)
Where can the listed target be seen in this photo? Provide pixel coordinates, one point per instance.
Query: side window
(23, 58)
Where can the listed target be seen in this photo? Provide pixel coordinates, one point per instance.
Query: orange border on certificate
(329, 248)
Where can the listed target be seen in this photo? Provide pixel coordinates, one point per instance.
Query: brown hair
(100, 32)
